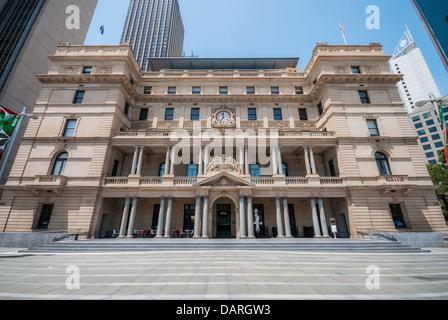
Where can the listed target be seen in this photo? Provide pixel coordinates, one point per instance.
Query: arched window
(285, 169)
(382, 163)
(162, 169)
(59, 164)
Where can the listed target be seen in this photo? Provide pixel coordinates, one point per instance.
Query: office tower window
(438, 144)
(275, 90)
(429, 122)
(435, 137)
(194, 114)
(416, 118)
(223, 90)
(172, 90)
(421, 132)
(373, 128)
(169, 114)
(432, 129)
(79, 97)
(426, 147)
(143, 114)
(278, 114)
(70, 128)
(147, 90)
(250, 90)
(303, 114)
(196, 90)
(429, 154)
(364, 97)
(418, 125)
(424, 139)
(252, 114)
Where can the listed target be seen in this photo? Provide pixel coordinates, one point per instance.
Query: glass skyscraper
(154, 28)
(434, 15)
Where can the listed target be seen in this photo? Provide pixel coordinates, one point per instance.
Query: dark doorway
(189, 216)
(223, 221)
(258, 210)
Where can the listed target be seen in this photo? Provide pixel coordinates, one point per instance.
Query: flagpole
(343, 32)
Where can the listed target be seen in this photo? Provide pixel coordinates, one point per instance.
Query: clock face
(223, 117)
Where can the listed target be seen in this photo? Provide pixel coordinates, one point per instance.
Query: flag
(8, 123)
(342, 28)
(102, 29)
(445, 130)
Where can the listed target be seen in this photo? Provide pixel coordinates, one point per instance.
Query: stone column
(197, 218)
(124, 218)
(274, 160)
(316, 226)
(242, 218)
(167, 160)
(307, 160)
(278, 214)
(205, 219)
(241, 155)
(174, 152)
(246, 160)
(280, 162)
(313, 163)
(169, 211)
(286, 218)
(161, 217)
(250, 218)
(206, 158)
(132, 218)
(134, 160)
(140, 160)
(201, 162)
(323, 220)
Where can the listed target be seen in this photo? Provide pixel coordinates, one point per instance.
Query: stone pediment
(224, 180)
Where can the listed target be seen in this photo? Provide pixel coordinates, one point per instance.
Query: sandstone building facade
(229, 148)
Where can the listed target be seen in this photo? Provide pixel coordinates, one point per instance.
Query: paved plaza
(224, 275)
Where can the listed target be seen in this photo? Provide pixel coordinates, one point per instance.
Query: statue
(224, 163)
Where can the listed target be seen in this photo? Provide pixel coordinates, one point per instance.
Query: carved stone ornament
(224, 163)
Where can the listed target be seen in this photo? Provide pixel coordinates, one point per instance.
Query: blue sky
(281, 28)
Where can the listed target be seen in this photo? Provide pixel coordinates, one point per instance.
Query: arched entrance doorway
(223, 213)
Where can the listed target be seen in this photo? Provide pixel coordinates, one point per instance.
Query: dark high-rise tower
(434, 15)
(154, 28)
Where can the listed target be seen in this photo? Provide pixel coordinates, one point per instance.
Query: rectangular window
(87, 70)
(250, 90)
(169, 114)
(255, 170)
(438, 144)
(196, 90)
(126, 109)
(278, 114)
(223, 90)
(303, 114)
(426, 147)
(172, 90)
(252, 114)
(194, 114)
(427, 115)
(364, 97)
(147, 90)
(416, 118)
(70, 126)
(432, 129)
(397, 215)
(115, 168)
(192, 170)
(429, 122)
(356, 70)
(79, 97)
(424, 139)
(421, 132)
(298, 90)
(435, 137)
(143, 114)
(45, 215)
(429, 154)
(320, 108)
(373, 128)
(275, 90)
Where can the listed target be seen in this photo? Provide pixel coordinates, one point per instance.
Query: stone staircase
(294, 245)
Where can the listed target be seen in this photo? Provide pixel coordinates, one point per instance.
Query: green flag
(8, 123)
